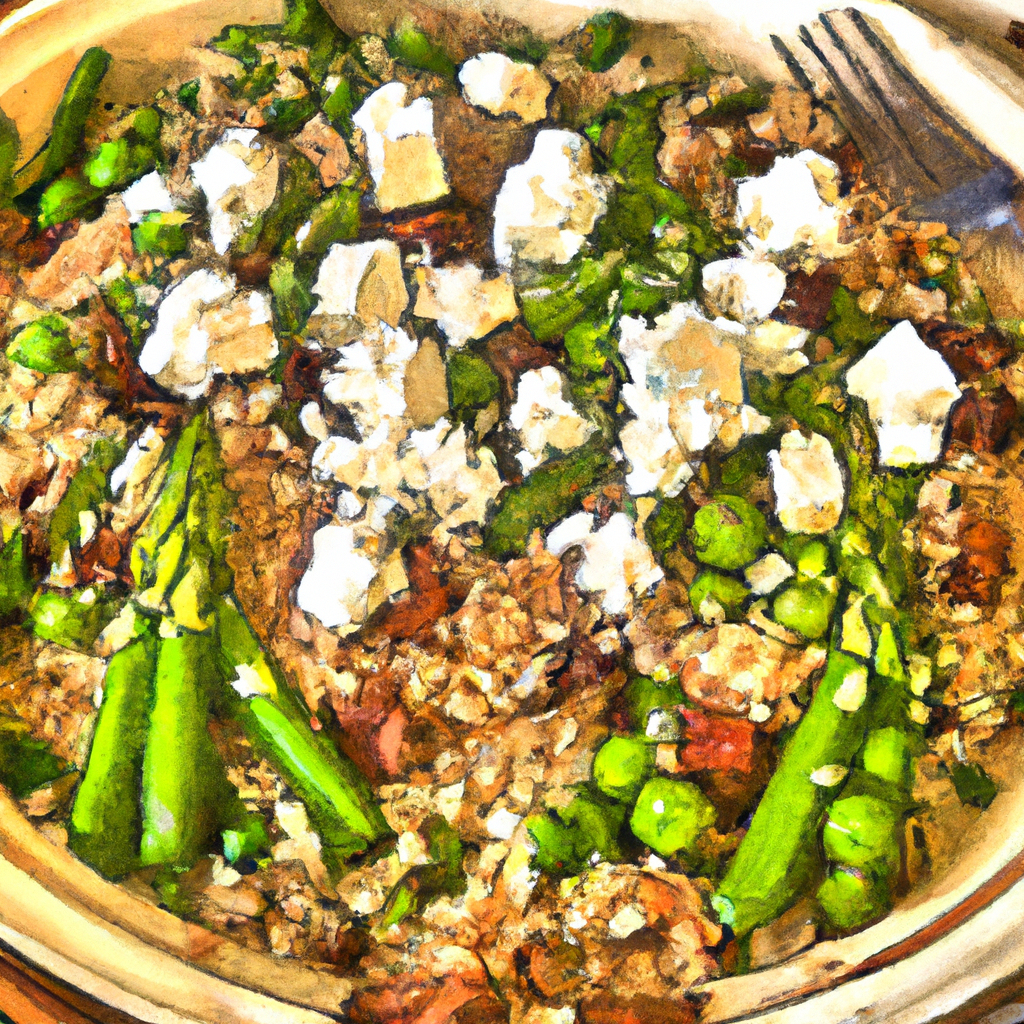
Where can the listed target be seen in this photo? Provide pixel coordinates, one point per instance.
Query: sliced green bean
(168, 508)
(339, 800)
(778, 856)
(69, 120)
(106, 820)
(182, 774)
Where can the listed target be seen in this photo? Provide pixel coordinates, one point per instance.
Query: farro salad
(491, 519)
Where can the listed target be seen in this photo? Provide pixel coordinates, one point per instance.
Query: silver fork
(913, 147)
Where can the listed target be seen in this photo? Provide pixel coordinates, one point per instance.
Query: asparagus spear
(777, 857)
(68, 128)
(167, 510)
(182, 776)
(106, 820)
(338, 799)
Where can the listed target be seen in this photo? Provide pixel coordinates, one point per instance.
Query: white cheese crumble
(545, 420)
(807, 483)
(239, 178)
(147, 195)
(500, 85)
(404, 162)
(548, 205)
(909, 390)
(743, 289)
(615, 562)
(786, 207)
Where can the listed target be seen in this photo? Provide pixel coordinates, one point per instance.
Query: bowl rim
(919, 963)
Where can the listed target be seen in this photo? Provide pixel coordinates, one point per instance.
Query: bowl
(945, 953)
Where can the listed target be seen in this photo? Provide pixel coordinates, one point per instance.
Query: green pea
(711, 590)
(670, 816)
(622, 766)
(72, 619)
(728, 533)
(556, 853)
(813, 559)
(860, 832)
(805, 608)
(644, 694)
(850, 900)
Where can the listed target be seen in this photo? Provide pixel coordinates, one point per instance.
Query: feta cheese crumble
(909, 390)
(548, 205)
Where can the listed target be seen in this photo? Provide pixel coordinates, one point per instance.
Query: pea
(670, 816)
(861, 833)
(622, 766)
(728, 533)
(849, 900)
(805, 608)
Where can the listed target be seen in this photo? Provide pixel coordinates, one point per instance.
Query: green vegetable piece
(240, 647)
(622, 766)
(146, 124)
(735, 105)
(339, 800)
(162, 234)
(412, 46)
(848, 326)
(644, 695)
(813, 559)
(67, 198)
(26, 764)
(188, 96)
(887, 654)
(118, 163)
(712, 592)
(86, 492)
(728, 533)
(805, 608)
(667, 527)
(292, 301)
(339, 107)
(591, 345)
(106, 820)
(973, 784)
(472, 383)
(15, 578)
(778, 855)
(68, 128)
(182, 775)
(424, 883)
(249, 840)
(886, 754)
(334, 219)
(550, 493)
(167, 510)
(556, 850)
(579, 292)
(670, 816)
(239, 41)
(850, 901)
(44, 345)
(645, 289)
(860, 832)
(287, 115)
(72, 618)
(595, 823)
(604, 40)
(10, 147)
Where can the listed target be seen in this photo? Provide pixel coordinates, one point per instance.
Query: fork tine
(912, 145)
